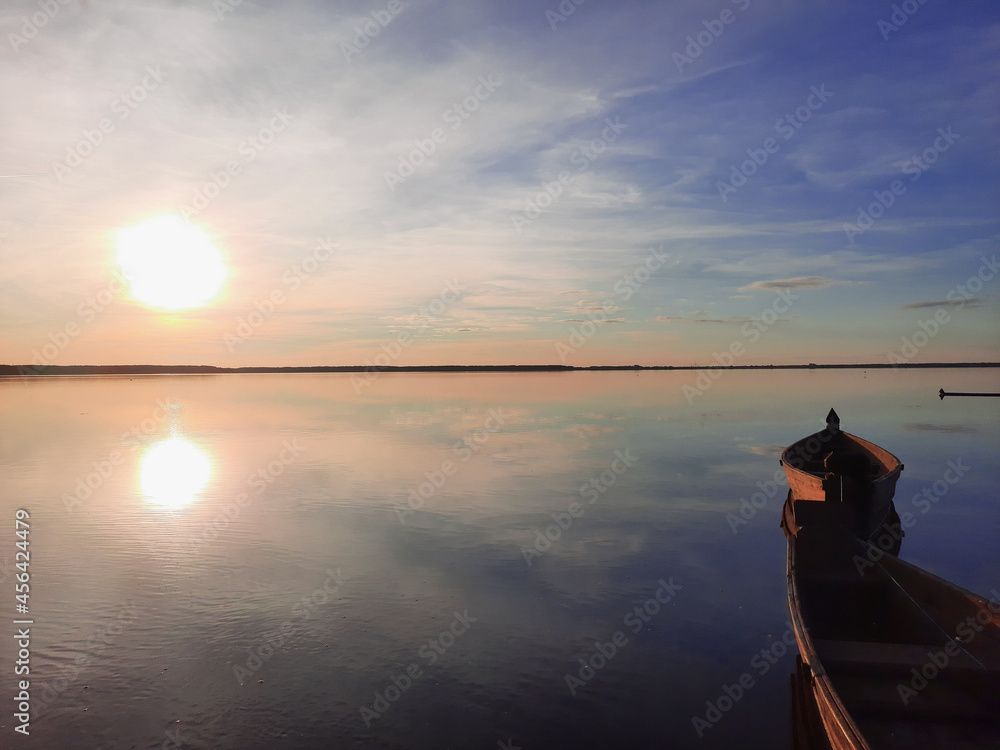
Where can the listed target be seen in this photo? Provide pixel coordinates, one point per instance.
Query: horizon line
(137, 369)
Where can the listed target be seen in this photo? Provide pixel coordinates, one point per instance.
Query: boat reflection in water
(891, 656)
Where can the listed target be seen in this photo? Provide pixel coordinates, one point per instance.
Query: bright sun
(170, 264)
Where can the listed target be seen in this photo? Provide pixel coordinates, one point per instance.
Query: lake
(470, 560)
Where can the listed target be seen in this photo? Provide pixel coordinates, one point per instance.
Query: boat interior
(869, 633)
(840, 455)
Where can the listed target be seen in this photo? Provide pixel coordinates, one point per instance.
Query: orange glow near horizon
(170, 264)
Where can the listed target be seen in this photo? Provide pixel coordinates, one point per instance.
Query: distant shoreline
(33, 371)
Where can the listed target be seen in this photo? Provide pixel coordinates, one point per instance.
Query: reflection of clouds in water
(589, 430)
(765, 450)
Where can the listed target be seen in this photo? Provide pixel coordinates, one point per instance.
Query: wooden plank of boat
(880, 637)
(808, 732)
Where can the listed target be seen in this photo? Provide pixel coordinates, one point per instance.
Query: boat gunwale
(892, 467)
(973, 599)
(832, 709)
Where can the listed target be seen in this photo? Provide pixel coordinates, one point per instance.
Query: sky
(582, 183)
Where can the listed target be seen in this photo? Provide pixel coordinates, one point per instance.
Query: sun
(170, 264)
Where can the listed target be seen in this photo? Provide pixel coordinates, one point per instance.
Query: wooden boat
(836, 467)
(891, 655)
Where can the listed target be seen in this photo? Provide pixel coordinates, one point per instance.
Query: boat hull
(882, 644)
(866, 623)
(837, 467)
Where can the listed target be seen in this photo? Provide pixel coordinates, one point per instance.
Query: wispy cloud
(949, 429)
(732, 319)
(800, 282)
(599, 322)
(958, 302)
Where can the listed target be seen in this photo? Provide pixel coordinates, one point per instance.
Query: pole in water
(942, 393)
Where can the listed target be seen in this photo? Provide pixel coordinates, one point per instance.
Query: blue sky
(316, 113)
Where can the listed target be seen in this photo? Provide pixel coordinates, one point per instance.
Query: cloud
(970, 302)
(950, 429)
(799, 282)
(731, 319)
(674, 319)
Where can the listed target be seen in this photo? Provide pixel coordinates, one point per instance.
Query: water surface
(239, 557)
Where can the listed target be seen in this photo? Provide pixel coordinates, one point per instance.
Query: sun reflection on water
(174, 472)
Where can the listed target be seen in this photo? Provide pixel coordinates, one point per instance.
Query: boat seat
(906, 655)
(845, 577)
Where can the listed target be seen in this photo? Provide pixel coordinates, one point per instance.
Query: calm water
(261, 529)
